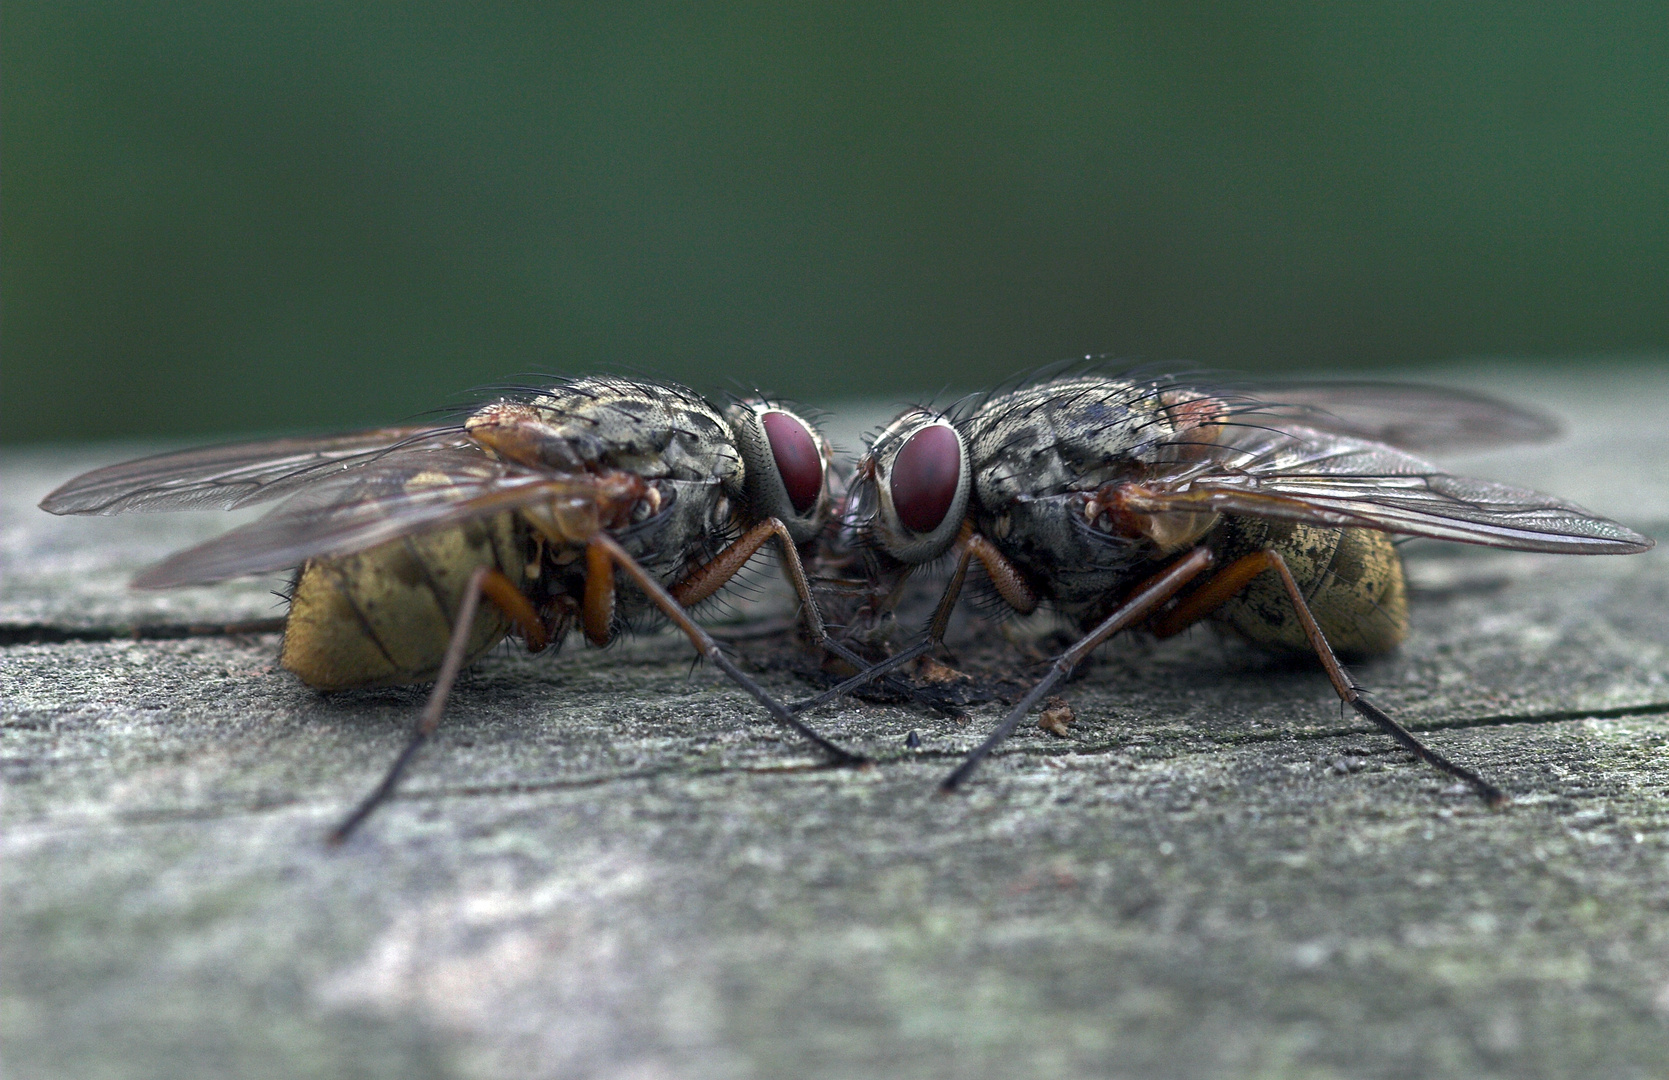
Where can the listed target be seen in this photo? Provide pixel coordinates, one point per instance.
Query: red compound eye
(798, 461)
(925, 477)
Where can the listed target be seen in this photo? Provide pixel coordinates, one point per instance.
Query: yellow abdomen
(1351, 578)
(384, 615)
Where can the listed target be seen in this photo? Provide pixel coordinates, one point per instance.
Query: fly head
(788, 467)
(910, 493)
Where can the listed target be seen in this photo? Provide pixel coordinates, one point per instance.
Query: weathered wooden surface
(609, 866)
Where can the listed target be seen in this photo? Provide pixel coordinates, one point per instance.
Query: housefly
(1153, 503)
(588, 502)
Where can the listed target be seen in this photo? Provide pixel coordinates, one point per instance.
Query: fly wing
(239, 474)
(1408, 416)
(402, 492)
(1302, 474)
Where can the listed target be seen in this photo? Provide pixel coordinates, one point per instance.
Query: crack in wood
(48, 634)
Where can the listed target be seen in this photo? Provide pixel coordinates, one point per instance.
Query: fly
(588, 503)
(1154, 503)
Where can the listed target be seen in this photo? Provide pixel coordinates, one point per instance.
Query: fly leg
(485, 581)
(603, 549)
(708, 579)
(1010, 585)
(1235, 577)
(1137, 606)
(597, 610)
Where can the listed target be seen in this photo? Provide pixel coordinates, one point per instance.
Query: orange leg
(510, 600)
(598, 611)
(1234, 577)
(1009, 584)
(1218, 590)
(1007, 580)
(708, 579)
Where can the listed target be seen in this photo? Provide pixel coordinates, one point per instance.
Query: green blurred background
(274, 216)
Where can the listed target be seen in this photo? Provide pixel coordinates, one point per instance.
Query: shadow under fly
(586, 502)
(1136, 502)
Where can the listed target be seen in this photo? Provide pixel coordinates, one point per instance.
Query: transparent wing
(402, 492)
(1302, 474)
(1408, 416)
(239, 474)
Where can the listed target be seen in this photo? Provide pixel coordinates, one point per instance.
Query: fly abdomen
(1351, 578)
(384, 615)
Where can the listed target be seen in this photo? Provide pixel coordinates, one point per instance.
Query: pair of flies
(1121, 501)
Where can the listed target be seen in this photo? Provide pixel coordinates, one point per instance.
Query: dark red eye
(925, 477)
(798, 461)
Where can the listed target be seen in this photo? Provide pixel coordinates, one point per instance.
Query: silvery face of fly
(417, 549)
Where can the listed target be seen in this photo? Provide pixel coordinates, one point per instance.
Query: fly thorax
(1046, 459)
(657, 430)
(1067, 434)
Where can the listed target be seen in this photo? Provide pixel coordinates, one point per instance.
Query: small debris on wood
(1056, 715)
(934, 673)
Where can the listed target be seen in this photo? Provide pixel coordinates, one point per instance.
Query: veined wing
(1406, 415)
(402, 492)
(238, 474)
(1318, 477)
